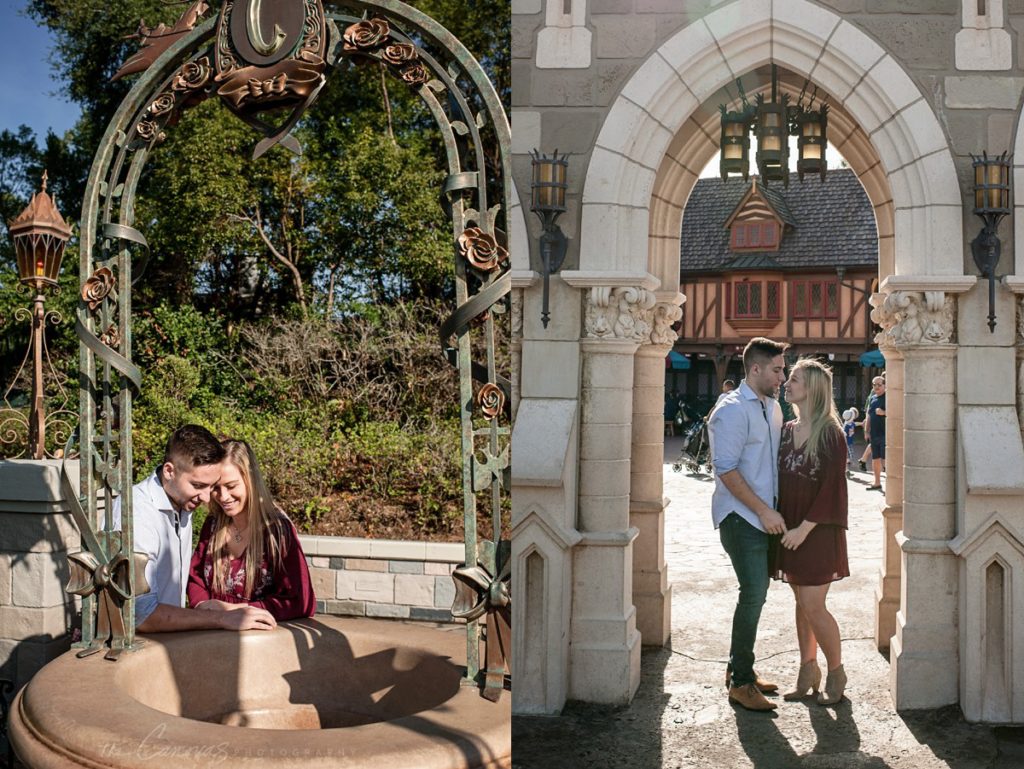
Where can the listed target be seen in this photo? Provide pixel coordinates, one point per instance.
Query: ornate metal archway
(232, 55)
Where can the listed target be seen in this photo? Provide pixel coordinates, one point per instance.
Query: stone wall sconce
(991, 204)
(548, 202)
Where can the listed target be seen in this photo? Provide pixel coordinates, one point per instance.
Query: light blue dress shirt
(744, 432)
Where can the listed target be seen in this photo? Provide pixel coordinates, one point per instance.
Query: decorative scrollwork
(491, 400)
(97, 287)
(481, 250)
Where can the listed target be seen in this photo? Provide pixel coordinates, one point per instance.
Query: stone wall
(36, 534)
(380, 578)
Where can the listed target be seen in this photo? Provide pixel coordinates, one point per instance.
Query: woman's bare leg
(804, 633)
(825, 630)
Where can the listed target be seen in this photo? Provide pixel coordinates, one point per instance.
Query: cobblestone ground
(680, 716)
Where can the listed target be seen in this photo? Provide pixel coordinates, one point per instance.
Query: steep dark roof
(828, 223)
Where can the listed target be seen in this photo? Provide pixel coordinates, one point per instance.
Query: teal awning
(677, 361)
(873, 359)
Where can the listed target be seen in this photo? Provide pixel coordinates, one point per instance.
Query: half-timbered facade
(795, 264)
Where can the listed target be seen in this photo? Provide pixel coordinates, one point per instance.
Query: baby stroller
(696, 450)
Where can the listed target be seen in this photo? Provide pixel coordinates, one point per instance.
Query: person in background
(248, 554)
(727, 387)
(849, 429)
(876, 426)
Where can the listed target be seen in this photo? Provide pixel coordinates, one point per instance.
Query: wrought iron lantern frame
(772, 121)
(991, 204)
(450, 81)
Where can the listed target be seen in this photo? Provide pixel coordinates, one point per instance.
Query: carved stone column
(605, 644)
(920, 327)
(652, 594)
(887, 592)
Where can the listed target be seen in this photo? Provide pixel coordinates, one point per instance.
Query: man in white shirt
(162, 508)
(744, 429)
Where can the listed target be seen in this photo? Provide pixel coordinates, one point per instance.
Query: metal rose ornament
(491, 400)
(365, 35)
(97, 287)
(481, 250)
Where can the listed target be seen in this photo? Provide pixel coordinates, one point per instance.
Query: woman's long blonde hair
(819, 408)
(267, 524)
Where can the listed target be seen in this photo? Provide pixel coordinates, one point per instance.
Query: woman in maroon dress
(813, 501)
(248, 551)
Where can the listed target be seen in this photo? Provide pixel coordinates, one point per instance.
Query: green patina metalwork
(109, 379)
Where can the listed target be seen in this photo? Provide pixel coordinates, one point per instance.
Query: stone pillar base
(652, 595)
(887, 591)
(921, 680)
(606, 673)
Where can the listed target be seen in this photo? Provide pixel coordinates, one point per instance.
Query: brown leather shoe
(750, 698)
(766, 687)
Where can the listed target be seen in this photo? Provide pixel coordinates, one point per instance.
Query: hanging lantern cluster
(773, 122)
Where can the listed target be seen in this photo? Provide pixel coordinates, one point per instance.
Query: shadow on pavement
(599, 736)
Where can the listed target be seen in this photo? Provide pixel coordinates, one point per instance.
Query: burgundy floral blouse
(286, 594)
(813, 490)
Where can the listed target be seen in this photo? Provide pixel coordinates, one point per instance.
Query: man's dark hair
(191, 446)
(761, 350)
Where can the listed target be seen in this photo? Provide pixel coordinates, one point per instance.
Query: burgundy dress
(286, 593)
(814, 491)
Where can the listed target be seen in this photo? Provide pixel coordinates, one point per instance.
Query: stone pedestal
(887, 593)
(605, 644)
(36, 534)
(924, 650)
(652, 594)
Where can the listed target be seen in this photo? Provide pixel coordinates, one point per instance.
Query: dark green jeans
(747, 548)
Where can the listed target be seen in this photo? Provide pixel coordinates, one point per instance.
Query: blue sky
(28, 93)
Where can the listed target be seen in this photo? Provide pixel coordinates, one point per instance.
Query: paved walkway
(681, 717)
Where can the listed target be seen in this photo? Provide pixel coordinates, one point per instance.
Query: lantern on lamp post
(40, 235)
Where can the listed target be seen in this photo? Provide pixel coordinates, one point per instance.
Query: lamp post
(548, 202)
(991, 204)
(40, 235)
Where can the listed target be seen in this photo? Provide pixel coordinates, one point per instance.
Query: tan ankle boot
(835, 684)
(807, 680)
(750, 697)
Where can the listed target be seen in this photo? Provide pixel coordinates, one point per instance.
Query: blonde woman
(248, 552)
(813, 501)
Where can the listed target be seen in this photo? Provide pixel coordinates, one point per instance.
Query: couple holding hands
(248, 571)
(780, 505)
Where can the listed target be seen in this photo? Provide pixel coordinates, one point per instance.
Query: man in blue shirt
(745, 429)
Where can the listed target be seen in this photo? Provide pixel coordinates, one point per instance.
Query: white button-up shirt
(744, 433)
(165, 537)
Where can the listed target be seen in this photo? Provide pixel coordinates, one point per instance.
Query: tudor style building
(766, 261)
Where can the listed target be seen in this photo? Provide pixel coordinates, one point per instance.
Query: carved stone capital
(914, 318)
(665, 315)
(621, 313)
(1020, 321)
(517, 313)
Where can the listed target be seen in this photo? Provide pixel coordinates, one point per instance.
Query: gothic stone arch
(629, 266)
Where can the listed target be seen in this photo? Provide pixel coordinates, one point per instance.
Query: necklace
(237, 535)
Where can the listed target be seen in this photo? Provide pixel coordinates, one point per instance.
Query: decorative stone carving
(1020, 320)
(665, 314)
(517, 313)
(914, 318)
(620, 313)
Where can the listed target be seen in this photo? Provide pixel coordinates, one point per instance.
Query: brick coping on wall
(383, 578)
